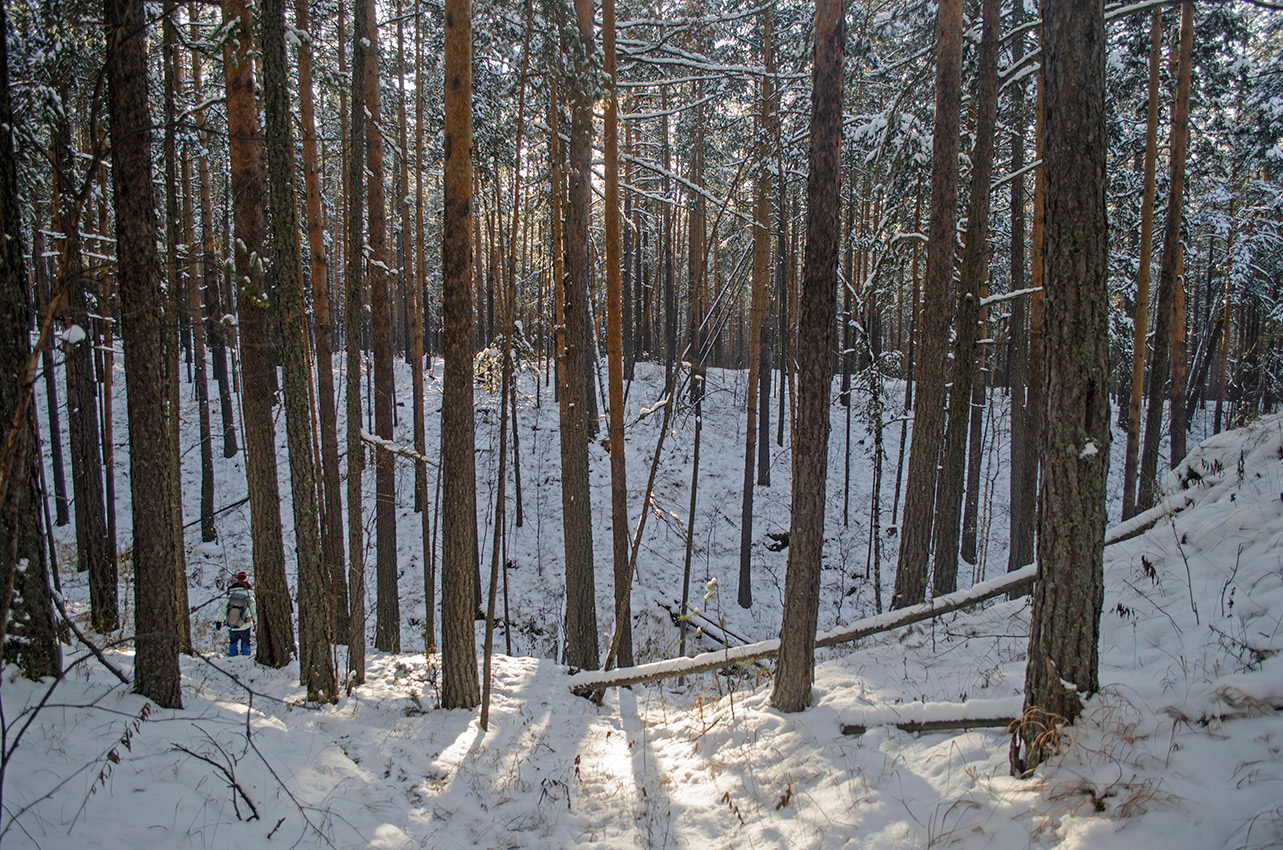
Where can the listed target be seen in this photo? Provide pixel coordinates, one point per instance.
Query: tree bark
(275, 620)
(174, 311)
(352, 308)
(315, 625)
(1168, 272)
(795, 672)
(458, 638)
(756, 330)
(581, 616)
(210, 281)
(622, 648)
(26, 614)
(972, 274)
(928, 414)
(1065, 625)
(387, 621)
(156, 673)
(94, 549)
(1141, 322)
(196, 320)
(44, 294)
(330, 489)
(1020, 547)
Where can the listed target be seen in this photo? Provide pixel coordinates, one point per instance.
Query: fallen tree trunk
(1147, 519)
(594, 681)
(919, 726)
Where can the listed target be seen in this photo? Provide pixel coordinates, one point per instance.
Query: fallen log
(920, 726)
(934, 716)
(1147, 519)
(588, 682)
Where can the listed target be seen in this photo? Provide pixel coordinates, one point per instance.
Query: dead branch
(90, 645)
(229, 775)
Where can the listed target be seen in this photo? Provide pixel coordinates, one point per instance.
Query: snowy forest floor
(1183, 747)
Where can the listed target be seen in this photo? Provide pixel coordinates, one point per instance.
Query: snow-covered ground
(1183, 747)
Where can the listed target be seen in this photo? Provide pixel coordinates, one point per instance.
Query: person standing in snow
(238, 614)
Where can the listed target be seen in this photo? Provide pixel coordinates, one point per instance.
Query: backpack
(238, 608)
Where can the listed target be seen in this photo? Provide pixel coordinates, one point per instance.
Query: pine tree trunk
(770, 109)
(1141, 322)
(418, 328)
(581, 616)
(622, 647)
(156, 673)
(795, 671)
(1168, 271)
(352, 326)
(195, 308)
(1065, 625)
(92, 545)
(1020, 547)
(928, 415)
(972, 273)
(174, 310)
(458, 638)
(1025, 490)
(756, 332)
(275, 620)
(1223, 359)
(26, 614)
(975, 457)
(387, 622)
(330, 489)
(315, 627)
(210, 279)
(44, 293)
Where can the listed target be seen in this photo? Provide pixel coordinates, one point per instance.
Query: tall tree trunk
(352, 324)
(581, 615)
(975, 454)
(972, 273)
(387, 621)
(195, 309)
(93, 548)
(756, 330)
(210, 282)
(915, 322)
(315, 626)
(26, 614)
(156, 673)
(44, 294)
(622, 648)
(1168, 272)
(1025, 488)
(275, 620)
(106, 302)
(418, 327)
(1065, 625)
(1223, 358)
(458, 638)
(330, 490)
(1139, 340)
(771, 117)
(928, 413)
(1180, 366)
(1020, 547)
(174, 311)
(795, 672)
